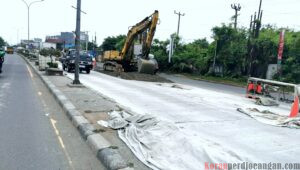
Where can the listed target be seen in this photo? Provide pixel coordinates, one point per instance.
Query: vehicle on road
(135, 53)
(85, 63)
(10, 50)
(2, 54)
(70, 52)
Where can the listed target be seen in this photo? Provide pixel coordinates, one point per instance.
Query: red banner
(281, 45)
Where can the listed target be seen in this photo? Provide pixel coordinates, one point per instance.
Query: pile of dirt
(137, 76)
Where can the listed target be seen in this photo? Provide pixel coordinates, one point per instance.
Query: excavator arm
(124, 59)
(150, 34)
(149, 25)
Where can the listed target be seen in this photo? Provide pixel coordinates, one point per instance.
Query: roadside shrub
(52, 65)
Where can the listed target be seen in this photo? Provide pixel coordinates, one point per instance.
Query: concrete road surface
(204, 84)
(211, 129)
(34, 131)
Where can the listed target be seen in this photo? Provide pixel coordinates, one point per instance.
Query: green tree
(291, 58)
(192, 57)
(231, 49)
(50, 52)
(92, 46)
(2, 42)
(113, 43)
(159, 50)
(266, 47)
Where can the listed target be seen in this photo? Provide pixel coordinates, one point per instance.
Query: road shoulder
(84, 108)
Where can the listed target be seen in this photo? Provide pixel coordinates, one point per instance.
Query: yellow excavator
(135, 54)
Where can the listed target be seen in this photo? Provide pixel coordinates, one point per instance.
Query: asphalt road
(34, 131)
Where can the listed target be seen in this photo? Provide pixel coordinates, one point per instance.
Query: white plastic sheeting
(208, 126)
(162, 145)
(270, 118)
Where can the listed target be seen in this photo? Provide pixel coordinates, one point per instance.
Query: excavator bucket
(147, 66)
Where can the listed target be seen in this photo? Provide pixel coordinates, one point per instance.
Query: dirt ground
(132, 75)
(136, 76)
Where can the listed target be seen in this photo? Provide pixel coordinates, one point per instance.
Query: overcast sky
(113, 17)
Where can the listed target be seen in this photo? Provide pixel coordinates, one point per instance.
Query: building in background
(48, 45)
(56, 39)
(62, 41)
(32, 44)
(26, 43)
(37, 43)
(67, 39)
(84, 37)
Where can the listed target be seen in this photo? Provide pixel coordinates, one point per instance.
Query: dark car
(2, 54)
(85, 63)
(70, 52)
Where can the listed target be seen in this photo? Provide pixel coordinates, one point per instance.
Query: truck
(10, 50)
(140, 36)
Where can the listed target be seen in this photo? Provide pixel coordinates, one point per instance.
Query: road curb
(93, 141)
(109, 157)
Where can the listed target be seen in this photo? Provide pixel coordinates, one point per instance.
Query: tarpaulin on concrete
(271, 118)
(162, 145)
(266, 102)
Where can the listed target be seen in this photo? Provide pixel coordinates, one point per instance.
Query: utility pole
(95, 38)
(18, 36)
(215, 56)
(258, 20)
(179, 16)
(77, 42)
(255, 25)
(95, 44)
(87, 40)
(171, 49)
(236, 9)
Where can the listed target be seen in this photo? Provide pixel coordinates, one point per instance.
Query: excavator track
(113, 66)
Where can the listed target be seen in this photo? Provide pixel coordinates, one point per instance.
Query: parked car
(85, 63)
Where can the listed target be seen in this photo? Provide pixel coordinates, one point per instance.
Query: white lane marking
(61, 142)
(39, 93)
(31, 75)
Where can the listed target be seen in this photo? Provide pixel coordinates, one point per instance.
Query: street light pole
(28, 9)
(28, 28)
